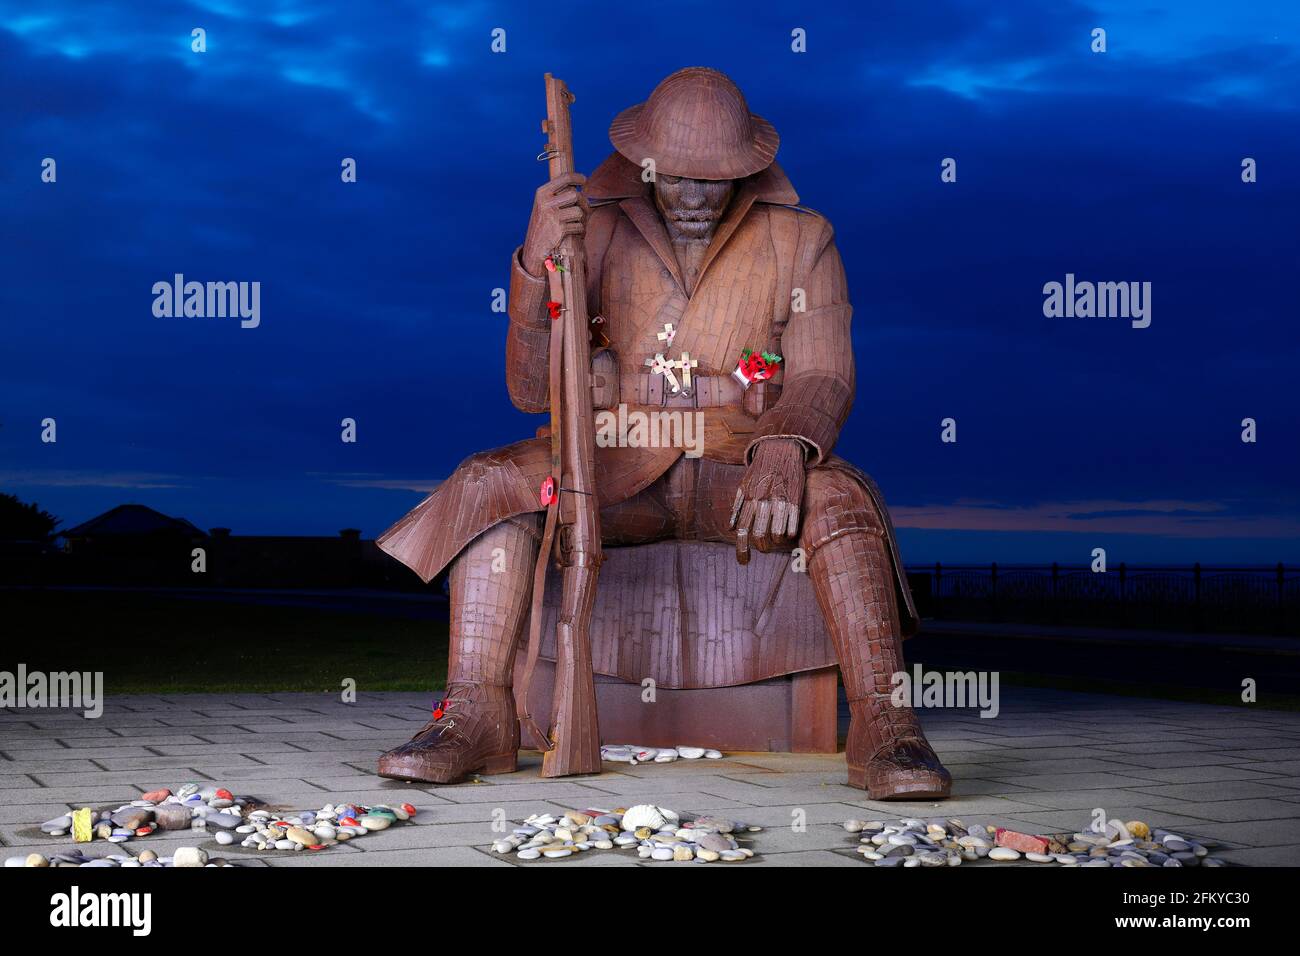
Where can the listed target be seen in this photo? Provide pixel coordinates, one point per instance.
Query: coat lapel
(619, 180)
(651, 226)
(731, 220)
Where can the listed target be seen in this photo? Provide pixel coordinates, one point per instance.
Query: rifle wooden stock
(574, 734)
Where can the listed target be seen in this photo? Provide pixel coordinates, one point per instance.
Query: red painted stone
(349, 822)
(1020, 841)
(409, 809)
(225, 795)
(156, 796)
(316, 846)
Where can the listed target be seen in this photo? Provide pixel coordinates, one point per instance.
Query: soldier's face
(692, 207)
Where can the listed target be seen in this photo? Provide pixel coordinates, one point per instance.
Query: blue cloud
(225, 166)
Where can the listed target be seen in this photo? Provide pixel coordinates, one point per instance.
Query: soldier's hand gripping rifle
(569, 492)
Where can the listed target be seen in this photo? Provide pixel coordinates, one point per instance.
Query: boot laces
(443, 717)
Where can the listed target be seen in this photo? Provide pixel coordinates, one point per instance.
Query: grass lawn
(146, 644)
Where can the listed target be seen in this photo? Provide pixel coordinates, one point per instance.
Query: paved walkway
(1227, 775)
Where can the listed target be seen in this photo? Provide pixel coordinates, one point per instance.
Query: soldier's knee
(835, 504)
(481, 467)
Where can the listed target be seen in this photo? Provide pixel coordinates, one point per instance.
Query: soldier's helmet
(696, 124)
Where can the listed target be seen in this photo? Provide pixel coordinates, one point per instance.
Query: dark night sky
(1073, 433)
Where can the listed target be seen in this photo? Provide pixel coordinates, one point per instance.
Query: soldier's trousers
(840, 532)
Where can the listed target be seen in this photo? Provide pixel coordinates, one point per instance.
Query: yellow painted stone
(83, 825)
(1138, 829)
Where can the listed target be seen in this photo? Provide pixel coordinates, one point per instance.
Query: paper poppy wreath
(755, 367)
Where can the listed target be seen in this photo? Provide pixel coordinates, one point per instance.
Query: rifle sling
(527, 726)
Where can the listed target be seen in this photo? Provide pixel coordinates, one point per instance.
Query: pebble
(299, 835)
(1003, 853)
(63, 823)
(173, 816)
(225, 838)
(189, 856)
(714, 841)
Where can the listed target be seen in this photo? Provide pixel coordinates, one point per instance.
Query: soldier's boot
(474, 730)
(887, 753)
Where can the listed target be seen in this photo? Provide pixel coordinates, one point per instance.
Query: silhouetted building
(128, 525)
(136, 545)
(129, 544)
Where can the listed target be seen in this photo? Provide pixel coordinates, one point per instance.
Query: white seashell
(644, 815)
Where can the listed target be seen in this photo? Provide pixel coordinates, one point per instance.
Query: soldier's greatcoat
(771, 280)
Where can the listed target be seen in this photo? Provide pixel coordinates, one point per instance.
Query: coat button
(664, 273)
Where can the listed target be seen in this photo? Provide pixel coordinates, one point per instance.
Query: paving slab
(1225, 774)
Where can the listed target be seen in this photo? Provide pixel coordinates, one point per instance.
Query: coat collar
(618, 178)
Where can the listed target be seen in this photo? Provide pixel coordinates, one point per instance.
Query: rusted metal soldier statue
(711, 259)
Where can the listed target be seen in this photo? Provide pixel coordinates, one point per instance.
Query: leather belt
(706, 391)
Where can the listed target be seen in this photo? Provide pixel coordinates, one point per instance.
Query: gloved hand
(768, 501)
(558, 210)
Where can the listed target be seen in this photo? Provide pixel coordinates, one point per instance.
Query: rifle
(568, 493)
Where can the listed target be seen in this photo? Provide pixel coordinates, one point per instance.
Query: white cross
(662, 366)
(666, 336)
(686, 363)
